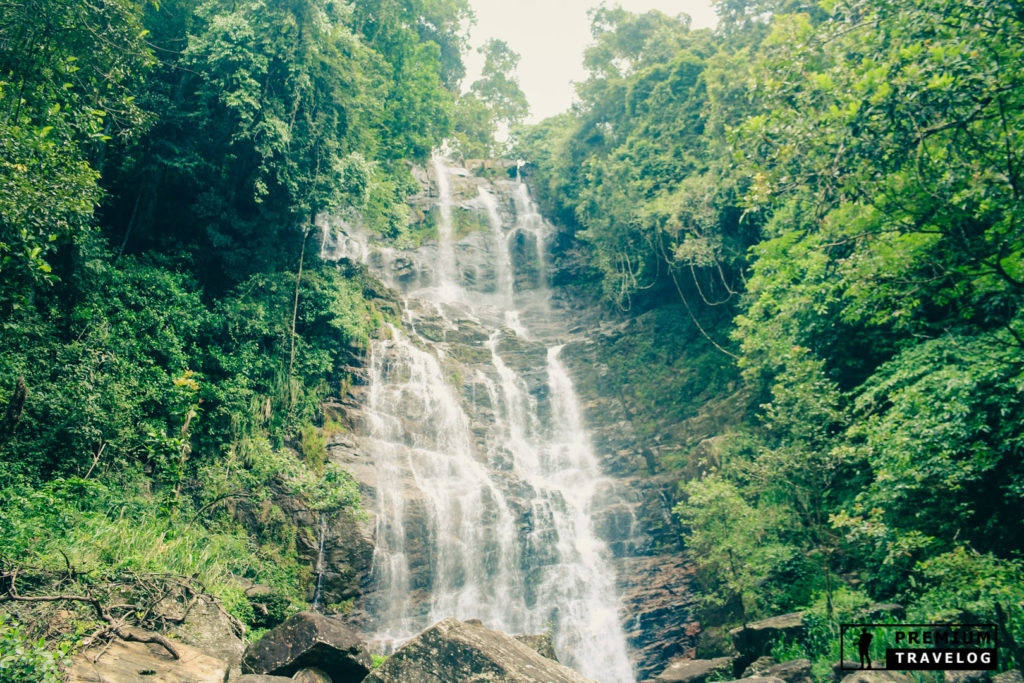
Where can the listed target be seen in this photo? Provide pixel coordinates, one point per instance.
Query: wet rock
(755, 639)
(757, 679)
(541, 644)
(694, 670)
(452, 650)
(348, 556)
(123, 662)
(307, 640)
(349, 551)
(659, 610)
(403, 268)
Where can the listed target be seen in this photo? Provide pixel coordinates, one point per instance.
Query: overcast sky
(550, 36)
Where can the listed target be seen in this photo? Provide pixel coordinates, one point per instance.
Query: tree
(419, 44)
(69, 76)
(497, 87)
(493, 102)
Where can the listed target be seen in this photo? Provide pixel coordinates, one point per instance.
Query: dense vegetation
(169, 334)
(843, 179)
(814, 212)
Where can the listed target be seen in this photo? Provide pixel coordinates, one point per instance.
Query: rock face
(477, 299)
(346, 545)
(309, 640)
(541, 644)
(123, 662)
(755, 639)
(695, 670)
(659, 607)
(453, 650)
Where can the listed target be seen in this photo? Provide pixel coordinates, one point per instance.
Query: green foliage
(737, 542)
(493, 102)
(640, 170)
(106, 529)
(47, 194)
(984, 586)
(153, 216)
(111, 528)
(23, 660)
(69, 74)
(277, 608)
(474, 128)
(343, 607)
(843, 182)
(497, 87)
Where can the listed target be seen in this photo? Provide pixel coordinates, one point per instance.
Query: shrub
(23, 660)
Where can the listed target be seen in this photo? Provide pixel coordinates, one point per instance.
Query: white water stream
(485, 476)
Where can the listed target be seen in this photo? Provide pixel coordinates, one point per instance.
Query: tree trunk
(12, 416)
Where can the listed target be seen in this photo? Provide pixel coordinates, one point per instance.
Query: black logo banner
(919, 647)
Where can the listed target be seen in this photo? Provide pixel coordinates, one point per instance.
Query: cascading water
(485, 479)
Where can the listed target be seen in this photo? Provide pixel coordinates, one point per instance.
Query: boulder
(759, 666)
(694, 670)
(452, 650)
(208, 627)
(309, 640)
(1011, 676)
(259, 678)
(876, 676)
(966, 676)
(123, 662)
(841, 670)
(311, 676)
(793, 671)
(541, 644)
(755, 639)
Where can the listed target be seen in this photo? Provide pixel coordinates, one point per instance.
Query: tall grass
(75, 520)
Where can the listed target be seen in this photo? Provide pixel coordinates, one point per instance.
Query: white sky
(550, 36)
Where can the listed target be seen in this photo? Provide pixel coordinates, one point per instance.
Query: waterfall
(484, 477)
(447, 290)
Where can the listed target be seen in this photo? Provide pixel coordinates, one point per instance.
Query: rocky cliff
(481, 326)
